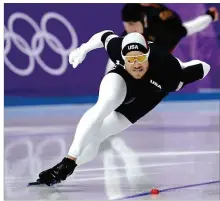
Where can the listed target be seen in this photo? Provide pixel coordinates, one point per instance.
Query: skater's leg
(120, 123)
(111, 95)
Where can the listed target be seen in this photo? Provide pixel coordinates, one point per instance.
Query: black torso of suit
(162, 77)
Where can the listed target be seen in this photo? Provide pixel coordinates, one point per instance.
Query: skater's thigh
(113, 124)
(112, 93)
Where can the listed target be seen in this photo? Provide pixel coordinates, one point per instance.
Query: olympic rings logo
(34, 50)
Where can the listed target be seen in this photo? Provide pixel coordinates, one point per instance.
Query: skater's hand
(214, 12)
(77, 56)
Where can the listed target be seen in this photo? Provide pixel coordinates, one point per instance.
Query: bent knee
(206, 68)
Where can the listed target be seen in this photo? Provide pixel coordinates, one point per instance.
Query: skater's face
(131, 27)
(136, 63)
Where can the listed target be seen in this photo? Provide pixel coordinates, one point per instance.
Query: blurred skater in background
(161, 25)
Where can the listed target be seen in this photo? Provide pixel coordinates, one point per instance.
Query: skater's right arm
(98, 40)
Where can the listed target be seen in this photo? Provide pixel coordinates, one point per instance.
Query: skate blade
(35, 183)
(38, 183)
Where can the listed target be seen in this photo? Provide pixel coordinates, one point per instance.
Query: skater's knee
(112, 90)
(206, 68)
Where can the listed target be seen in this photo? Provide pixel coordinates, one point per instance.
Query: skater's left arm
(192, 71)
(177, 74)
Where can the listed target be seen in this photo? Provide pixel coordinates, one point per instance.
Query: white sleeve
(198, 24)
(94, 42)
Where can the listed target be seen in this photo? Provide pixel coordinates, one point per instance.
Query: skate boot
(57, 173)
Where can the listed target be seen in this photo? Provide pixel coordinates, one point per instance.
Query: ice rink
(174, 148)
